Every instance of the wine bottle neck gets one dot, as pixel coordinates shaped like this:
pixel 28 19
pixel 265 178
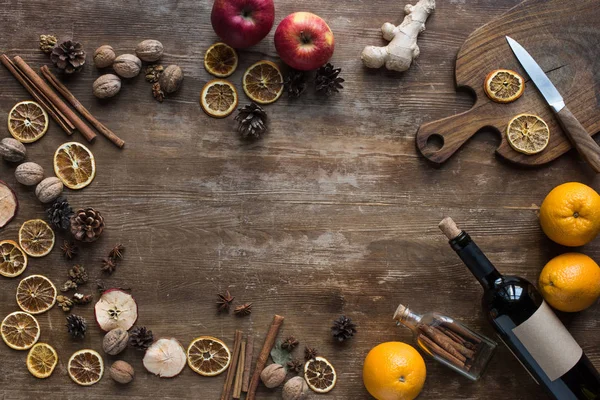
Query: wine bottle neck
pixel 475 260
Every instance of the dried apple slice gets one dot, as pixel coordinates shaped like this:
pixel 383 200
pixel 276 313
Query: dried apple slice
pixel 116 309
pixel 165 358
pixel 8 204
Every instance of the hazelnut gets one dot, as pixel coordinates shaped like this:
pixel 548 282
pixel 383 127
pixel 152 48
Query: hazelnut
pixel 104 56
pixel 171 78
pixel 127 65
pixel 12 150
pixel 106 86
pixel 49 189
pixel 149 50
pixel 121 372
pixel 115 341
pixel 273 375
pixel 295 389
pixel 29 174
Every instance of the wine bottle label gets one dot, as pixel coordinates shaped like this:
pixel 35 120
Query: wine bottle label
pixel 549 342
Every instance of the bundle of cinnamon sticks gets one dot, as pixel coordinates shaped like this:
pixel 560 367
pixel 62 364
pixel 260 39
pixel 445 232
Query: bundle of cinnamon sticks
pixel 450 342
pixel 47 98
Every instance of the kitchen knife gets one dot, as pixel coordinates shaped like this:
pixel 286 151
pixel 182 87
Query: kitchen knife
pixel 583 142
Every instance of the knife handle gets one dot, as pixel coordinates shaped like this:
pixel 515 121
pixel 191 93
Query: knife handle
pixel 581 139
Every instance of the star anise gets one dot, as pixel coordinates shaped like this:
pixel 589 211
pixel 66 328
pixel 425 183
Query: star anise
pixel 295 365
pixel 225 300
pixel 243 310
pixel 108 265
pixel 289 343
pixel 69 249
pixel 117 252
pixel 310 353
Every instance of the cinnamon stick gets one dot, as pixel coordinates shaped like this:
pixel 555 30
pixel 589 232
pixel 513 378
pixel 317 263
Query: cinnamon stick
pixel 462 332
pixel 66 93
pixel 458 346
pixel 441 352
pixel 228 387
pixel 264 355
pixel 237 386
pixel 85 130
pixel 39 97
pixel 443 341
pixel 248 363
pixel 457 338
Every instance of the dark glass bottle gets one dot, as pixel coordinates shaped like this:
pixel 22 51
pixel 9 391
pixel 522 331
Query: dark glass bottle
pixel 528 326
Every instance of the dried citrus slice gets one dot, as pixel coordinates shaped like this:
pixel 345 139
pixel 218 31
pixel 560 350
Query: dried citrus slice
pixel 218 98
pixel 20 331
pixel 208 356
pixel 85 367
pixel 74 164
pixel 13 260
pixel 27 121
pixel 320 375
pixel 36 238
pixel 263 82
pixel 42 360
pixel 220 60
pixel 504 85
pixel 36 294
pixel 528 133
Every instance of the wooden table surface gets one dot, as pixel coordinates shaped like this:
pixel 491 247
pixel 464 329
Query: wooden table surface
pixel 332 213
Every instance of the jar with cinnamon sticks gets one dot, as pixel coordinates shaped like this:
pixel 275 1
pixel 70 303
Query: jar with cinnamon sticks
pixel 448 341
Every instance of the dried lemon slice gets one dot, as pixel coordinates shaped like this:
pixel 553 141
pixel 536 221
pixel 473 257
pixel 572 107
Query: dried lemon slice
pixel 85 367
pixel 36 238
pixel 27 121
pixel 504 85
pixel 208 356
pixel 320 375
pixel 20 331
pixel 528 134
pixel 218 98
pixel 263 82
pixel 36 294
pixel 42 360
pixel 220 60
pixel 74 165
pixel 13 260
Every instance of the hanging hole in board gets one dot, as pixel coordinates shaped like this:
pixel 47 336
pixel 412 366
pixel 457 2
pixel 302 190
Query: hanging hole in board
pixel 434 143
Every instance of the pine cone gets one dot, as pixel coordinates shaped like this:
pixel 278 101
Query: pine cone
pixel 252 120
pixel 327 79
pixel 59 214
pixel 47 43
pixel 78 274
pixel 87 225
pixel 76 326
pixel 295 83
pixel 68 56
pixel 140 338
pixel 343 328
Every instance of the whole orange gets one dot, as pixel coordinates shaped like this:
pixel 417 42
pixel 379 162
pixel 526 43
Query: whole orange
pixel 394 371
pixel 570 282
pixel 570 214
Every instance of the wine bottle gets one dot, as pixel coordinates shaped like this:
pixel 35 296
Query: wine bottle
pixel 528 326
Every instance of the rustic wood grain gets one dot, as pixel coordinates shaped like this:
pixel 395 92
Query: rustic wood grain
pixel 333 212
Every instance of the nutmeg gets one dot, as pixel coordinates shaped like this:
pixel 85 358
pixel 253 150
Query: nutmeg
pixel 29 174
pixel 121 372
pixel 127 65
pixel 104 56
pixel 171 78
pixel 49 189
pixel 115 341
pixel 295 389
pixel 273 375
pixel 149 50
pixel 106 86
pixel 12 150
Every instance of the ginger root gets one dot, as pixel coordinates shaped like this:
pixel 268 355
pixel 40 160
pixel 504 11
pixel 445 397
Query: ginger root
pixel 402 49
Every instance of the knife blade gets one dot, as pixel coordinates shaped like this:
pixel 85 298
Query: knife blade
pixel 582 141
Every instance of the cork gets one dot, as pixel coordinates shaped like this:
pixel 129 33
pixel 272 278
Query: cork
pixel 448 226
pixel 401 312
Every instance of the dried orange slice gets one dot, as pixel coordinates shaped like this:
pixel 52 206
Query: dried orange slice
pixel 208 356
pixel 74 164
pixel 27 121
pixel 42 360
pixel 36 238
pixel 13 260
pixel 20 331
pixel 528 134
pixel 220 60
pixel 218 98
pixel 36 294
pixel 504 85
pixel 320 375
pixel 85 367
pixel 263 82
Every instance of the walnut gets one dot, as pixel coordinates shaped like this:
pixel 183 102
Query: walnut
pixel 115 341
pixel 12 150
pixel 106 86
pixel 121 372
pixel 29 174
pixel 273 375
pixel 127 65
pixel 171 79
pixel 49 189
pixel 149 50
pixel 295 389
pixel 104 56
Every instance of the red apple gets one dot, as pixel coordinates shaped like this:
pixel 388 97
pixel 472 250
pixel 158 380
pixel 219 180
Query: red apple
pixel 242 23
pixel 304 41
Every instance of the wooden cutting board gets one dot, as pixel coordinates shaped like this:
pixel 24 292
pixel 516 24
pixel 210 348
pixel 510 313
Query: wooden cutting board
pixel 564 38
